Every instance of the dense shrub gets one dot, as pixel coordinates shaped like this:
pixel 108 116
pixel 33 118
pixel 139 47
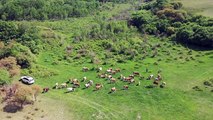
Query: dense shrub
pixel 167 18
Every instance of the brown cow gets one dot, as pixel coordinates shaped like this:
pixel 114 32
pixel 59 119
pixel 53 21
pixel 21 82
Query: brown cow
pixel 125 87
pixel 98 86
pixel 117 70
pixel 85 69
pixel 45 90
pixel 136 73
pixel 112 80
pixel 156 82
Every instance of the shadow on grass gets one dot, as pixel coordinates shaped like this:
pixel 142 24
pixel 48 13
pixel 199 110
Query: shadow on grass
pixel 12 108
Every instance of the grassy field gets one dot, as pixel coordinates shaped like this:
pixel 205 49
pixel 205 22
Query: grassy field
pixel 203 7
pixel 176 101
pixel 182 69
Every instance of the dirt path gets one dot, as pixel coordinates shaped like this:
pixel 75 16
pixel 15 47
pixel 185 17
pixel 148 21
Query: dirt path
pixel 103 110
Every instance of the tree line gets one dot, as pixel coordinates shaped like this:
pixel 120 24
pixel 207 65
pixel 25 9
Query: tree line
pixel 45 9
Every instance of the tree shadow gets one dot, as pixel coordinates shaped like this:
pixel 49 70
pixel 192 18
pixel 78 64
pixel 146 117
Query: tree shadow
pixel 12 108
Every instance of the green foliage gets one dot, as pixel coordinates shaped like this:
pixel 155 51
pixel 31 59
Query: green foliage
pixel 8 31
pixel 42 10
pixel 167 18
pixel 23 55
pixel 4 77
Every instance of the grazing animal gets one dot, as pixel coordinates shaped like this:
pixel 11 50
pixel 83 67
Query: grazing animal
pixel 159 77
pixel 109 77
pixel 84 78
pixel 128 79
pixel 87 85
pixel 76 85
pixel 150 77
pixel 102 75
pixel 109 70
pixel 113 72
pixel 125 87
pixel 132 76
pixel 113 89
pixel 85 69
pixel 56 86
pixel 45 90
pixel 63 85
pixel 118 70
pixel 74 81
pixel 98 86
pixel 136 73
pixel 132 81
pixel 156 82
pixel 90 82
pixel 70 89
pixel 112 80
pixel 99 69
pixel 163 84
pixel 139 83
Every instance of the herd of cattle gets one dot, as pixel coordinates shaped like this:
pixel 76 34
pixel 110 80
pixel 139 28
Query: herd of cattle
pixel 108 75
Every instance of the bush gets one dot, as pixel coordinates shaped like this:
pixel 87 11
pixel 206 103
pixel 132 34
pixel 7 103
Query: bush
pixel 4 77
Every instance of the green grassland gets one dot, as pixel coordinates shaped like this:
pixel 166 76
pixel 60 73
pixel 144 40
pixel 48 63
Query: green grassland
pixel 202 7
pixel 182 69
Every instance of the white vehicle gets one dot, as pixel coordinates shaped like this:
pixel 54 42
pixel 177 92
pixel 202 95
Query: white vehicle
pixel 27 79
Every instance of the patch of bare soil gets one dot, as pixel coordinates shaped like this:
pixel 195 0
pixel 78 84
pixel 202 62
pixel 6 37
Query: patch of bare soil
pixel 43 109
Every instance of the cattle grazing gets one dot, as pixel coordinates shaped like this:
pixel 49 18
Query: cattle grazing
pixel 132 81
pixel 73 81
pixel 99 69
pixel 150 77
pixel 139 83
pixel 159 77
pixel 84 79
pixel 70 89
pixel 45 90
pixel 63 85
pixel 132 76
pixel 125 87
pixel 85 69
pixel 90 82
pixel 113 89
pixel 109 77
pixel 113 72
pixel 112 80
pixel 136 73
pixel 117 70
pixel 98 86
pixel 76 85
pixel 156 82
pixel 102 75
pixel 109 70
pixel 163 84
pixel 87 85
pixel 56 86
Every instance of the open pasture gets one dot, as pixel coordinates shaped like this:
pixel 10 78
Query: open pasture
pixel 176 101
pixel 203 7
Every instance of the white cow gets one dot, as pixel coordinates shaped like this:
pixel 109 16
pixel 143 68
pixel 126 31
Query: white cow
pixel 70 89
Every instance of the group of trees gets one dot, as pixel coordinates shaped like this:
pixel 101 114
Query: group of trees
pixel 45 9
pixel 162 17
pixel 18 42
